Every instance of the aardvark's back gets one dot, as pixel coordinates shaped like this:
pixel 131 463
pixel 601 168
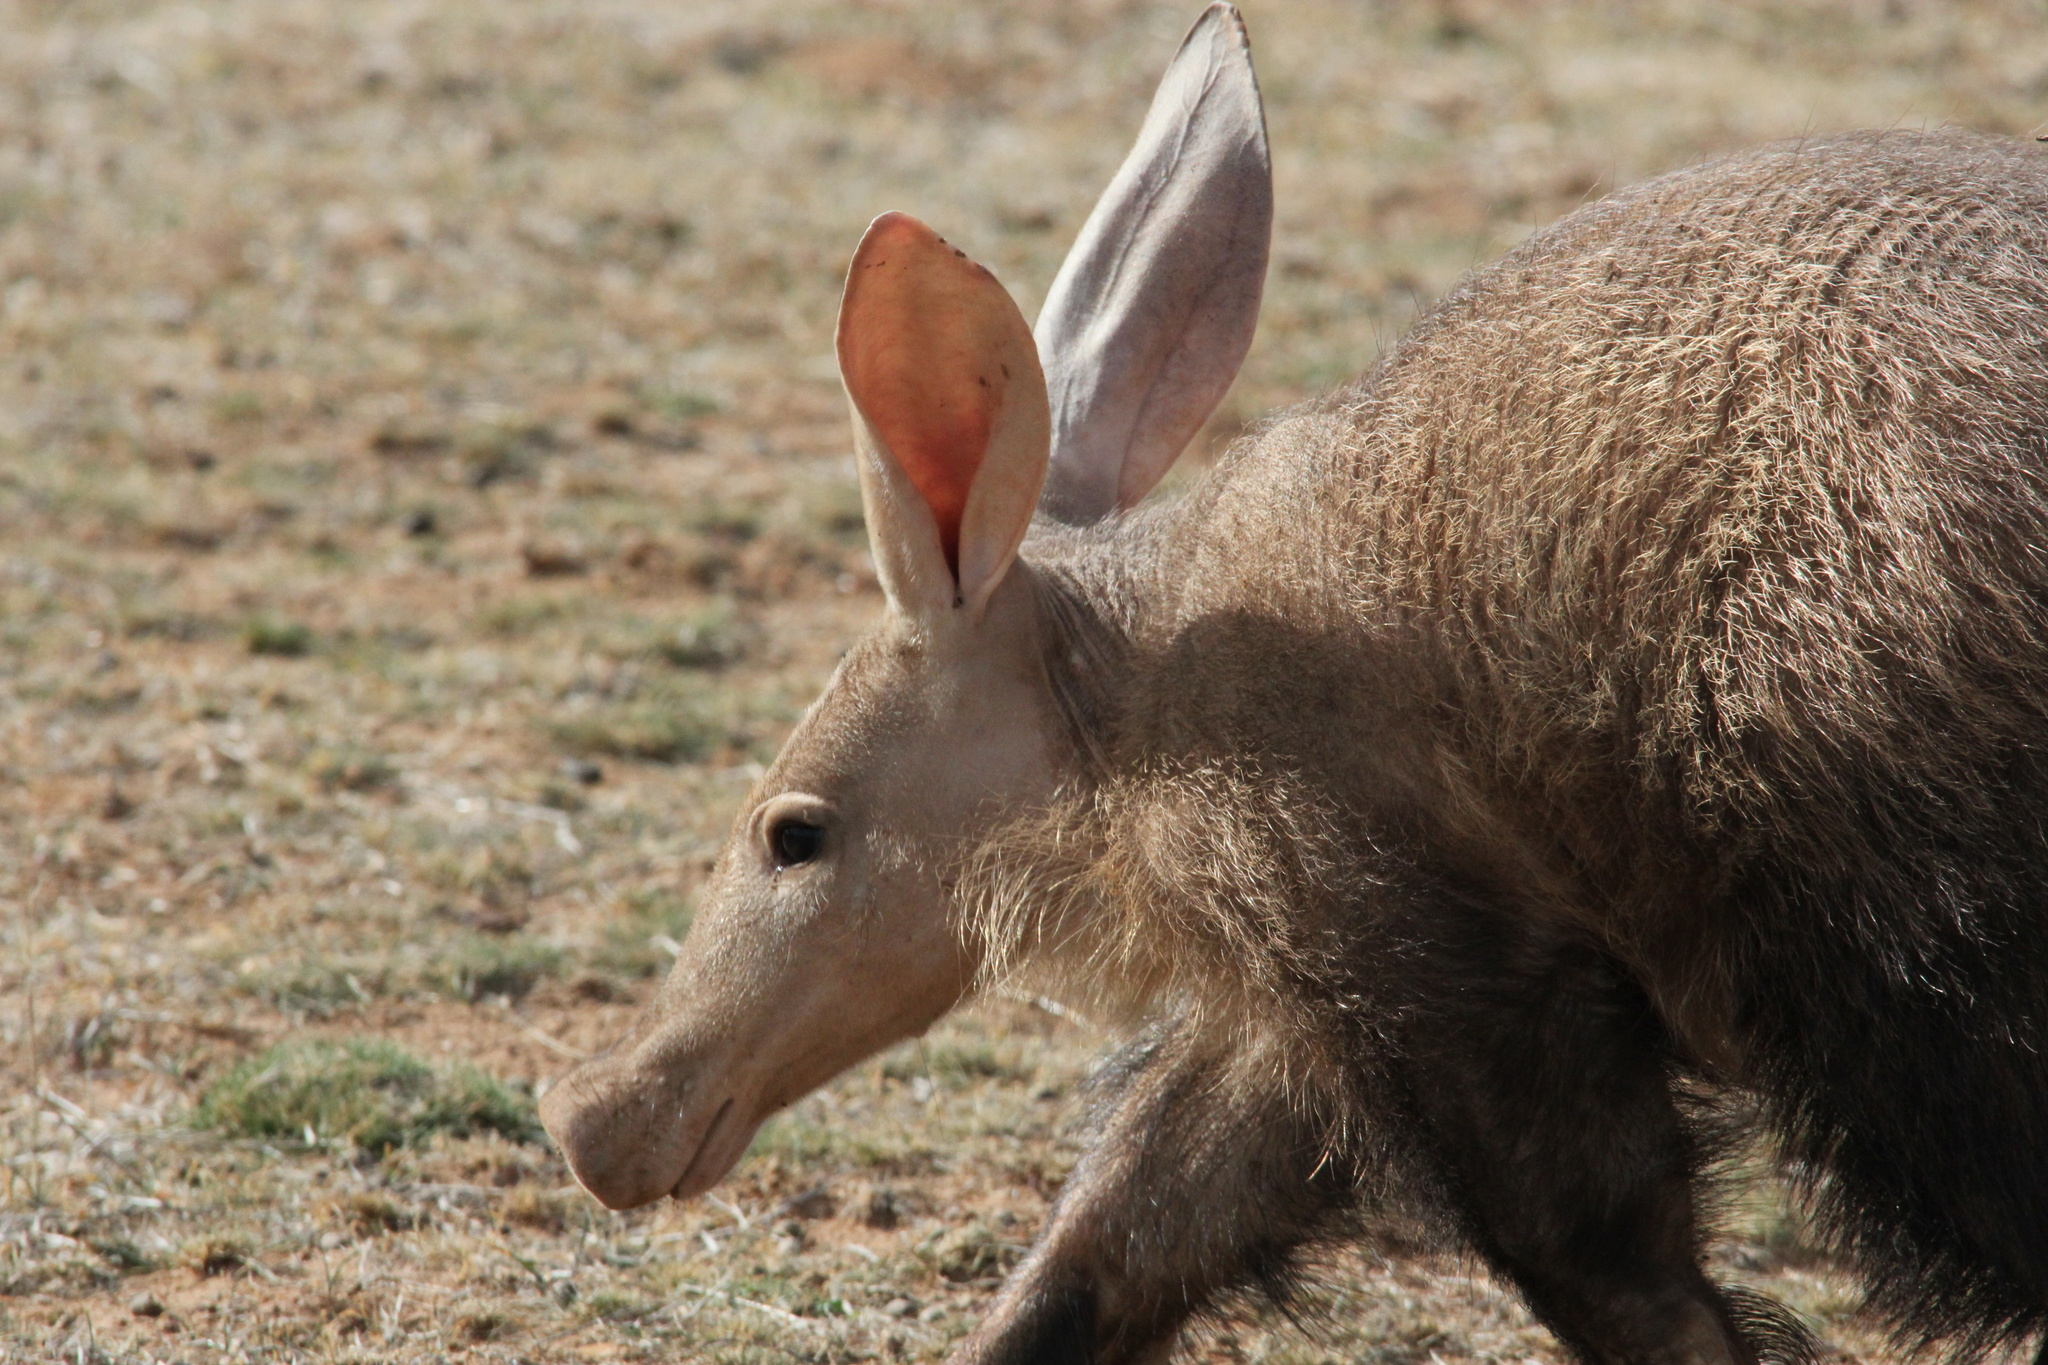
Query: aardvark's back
pixel 1714 525
pixel 1738 479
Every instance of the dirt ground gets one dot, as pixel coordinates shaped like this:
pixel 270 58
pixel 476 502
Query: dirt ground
pixel 424 504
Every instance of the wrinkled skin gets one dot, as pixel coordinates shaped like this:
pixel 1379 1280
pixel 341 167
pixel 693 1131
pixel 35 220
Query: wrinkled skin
pixel 791 974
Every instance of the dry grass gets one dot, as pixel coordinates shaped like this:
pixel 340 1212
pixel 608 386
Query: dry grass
pixel 424 501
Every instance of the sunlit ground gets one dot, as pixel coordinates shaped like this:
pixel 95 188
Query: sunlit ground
pixel 423 502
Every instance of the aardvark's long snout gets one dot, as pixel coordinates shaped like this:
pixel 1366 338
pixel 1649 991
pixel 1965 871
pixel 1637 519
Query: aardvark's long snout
pixel 640 1122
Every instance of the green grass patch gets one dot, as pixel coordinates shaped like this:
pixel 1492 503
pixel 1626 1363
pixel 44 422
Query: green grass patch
pixel 181 627
pixel 635 936
pixel 682 405
pixel 476 967
pixel 317 990
pixel 733 522
pixel 278 638
pixel 238 405
pixel 512 617
pixel 353 769
pixel 667 725
pixel 121 1254
pixel 500 452
pixel 710 639
pixel 801 1142
pixel 371 1093
pixel 614 1306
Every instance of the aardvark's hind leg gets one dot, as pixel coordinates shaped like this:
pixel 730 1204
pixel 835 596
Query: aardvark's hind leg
pixel 1540 1080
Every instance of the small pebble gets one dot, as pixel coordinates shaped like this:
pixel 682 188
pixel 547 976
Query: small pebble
pixel 935 1313
pixel 146 1306
pixel 900 1308
pixel 330 1240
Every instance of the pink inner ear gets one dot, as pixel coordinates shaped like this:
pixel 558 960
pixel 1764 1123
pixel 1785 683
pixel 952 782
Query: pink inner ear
pixel 922 332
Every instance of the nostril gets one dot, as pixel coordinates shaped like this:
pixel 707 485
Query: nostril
pixel 568 1112
pixel 629 1135
pixel 598 1135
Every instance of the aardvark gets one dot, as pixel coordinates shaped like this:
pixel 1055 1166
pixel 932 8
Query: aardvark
pixel 1624 708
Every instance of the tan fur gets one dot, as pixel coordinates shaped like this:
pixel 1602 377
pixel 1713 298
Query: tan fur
pixel 1665 619
pixel 1682 510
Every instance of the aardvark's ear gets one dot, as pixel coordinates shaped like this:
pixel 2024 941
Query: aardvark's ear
pixel 1153 310
pixel 948 412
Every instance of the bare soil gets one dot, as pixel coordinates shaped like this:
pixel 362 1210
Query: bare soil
pixel 424 504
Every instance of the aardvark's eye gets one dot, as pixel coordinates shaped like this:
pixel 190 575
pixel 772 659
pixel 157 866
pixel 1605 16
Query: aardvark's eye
pixel 793 842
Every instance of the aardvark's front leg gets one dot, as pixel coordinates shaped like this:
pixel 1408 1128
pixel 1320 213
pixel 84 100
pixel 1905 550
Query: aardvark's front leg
pixel 1205 1174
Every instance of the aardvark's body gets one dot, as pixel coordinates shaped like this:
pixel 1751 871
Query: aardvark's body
pixel 1635 690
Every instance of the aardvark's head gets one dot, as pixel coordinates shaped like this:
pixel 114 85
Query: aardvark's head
pixel 827 930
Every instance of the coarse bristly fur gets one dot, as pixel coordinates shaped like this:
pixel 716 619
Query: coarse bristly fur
pixel 1662 626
